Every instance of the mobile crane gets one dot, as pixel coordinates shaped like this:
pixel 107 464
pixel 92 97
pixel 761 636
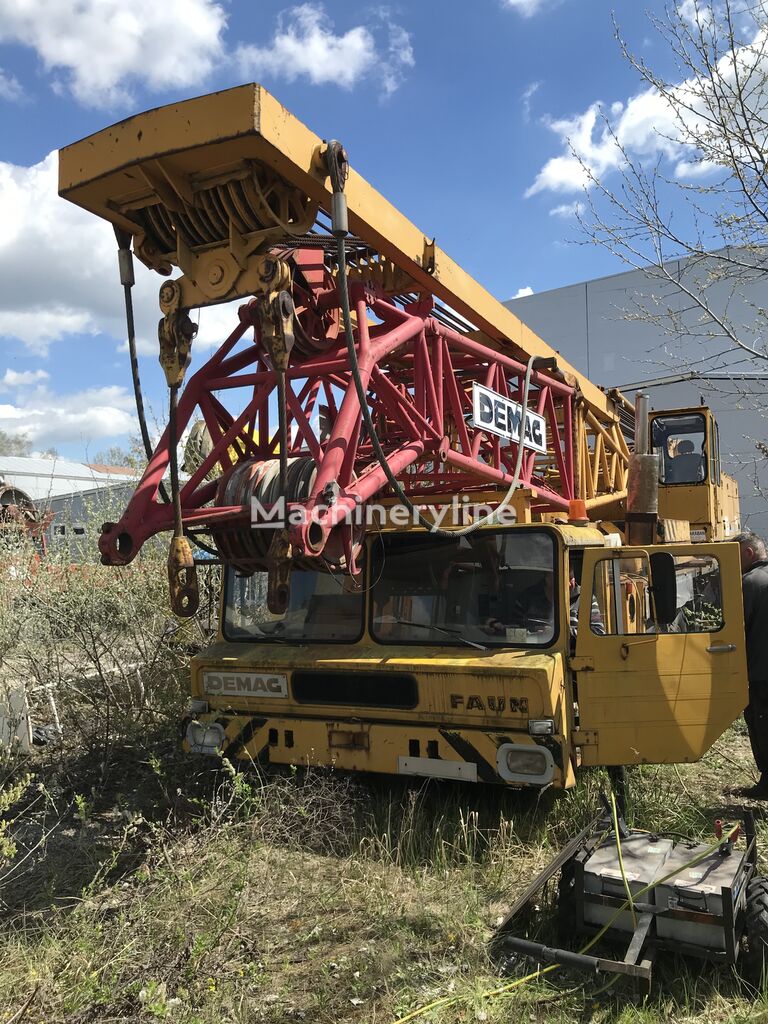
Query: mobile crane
pixel 415 498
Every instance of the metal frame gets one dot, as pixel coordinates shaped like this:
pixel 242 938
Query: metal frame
pixel 418 373
pixel 167 158
pixel 644 939
pixel 226 185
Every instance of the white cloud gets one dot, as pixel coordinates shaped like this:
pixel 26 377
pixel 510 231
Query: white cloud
pixel 215 324
pixel 567 210
pixel 648 126
pixel 645 127
pixel 39 328
pixel 640 127
pixel 522 292
pixel 21 378
pixel 527 96
pixel 57 262
pixel 399 56
pixel 10 88
pixel 696 13
pixel 44 417
pixel 101 47
pixel 699 169
pixel 525 7
pixel 305 44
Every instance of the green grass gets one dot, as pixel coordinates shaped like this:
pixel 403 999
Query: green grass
pixel 196 895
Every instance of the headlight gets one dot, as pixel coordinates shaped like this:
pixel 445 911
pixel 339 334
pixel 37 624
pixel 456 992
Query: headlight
pixel 526 762
pixel 205 737
pixel 541 727
pixel 196 707
pixel 518 762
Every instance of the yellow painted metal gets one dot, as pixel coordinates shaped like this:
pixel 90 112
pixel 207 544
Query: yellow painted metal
pixel 661 697
pixel 486 697
pixel 642 698
pixel 225 176
pixel 483 696
pixel 367 747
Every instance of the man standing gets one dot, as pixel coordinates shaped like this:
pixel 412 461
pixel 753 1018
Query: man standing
pixel 754 582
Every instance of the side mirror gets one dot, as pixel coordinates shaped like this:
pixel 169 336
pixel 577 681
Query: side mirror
pixel 664 587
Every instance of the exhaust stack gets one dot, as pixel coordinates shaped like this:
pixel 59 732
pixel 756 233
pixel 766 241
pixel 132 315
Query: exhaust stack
pixel 642 481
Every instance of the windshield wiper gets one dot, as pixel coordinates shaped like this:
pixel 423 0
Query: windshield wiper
pixel 440 629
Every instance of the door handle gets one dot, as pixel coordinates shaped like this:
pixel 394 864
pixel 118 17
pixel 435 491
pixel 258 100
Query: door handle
pixel 721 648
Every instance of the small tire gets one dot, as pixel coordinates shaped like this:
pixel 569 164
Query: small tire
pixel 754 954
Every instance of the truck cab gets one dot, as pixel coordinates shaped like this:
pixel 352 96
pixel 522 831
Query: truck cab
pixel 511 655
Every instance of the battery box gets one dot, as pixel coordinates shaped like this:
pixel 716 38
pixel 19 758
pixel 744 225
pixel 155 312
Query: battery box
pixel 644 859
pixel 703 888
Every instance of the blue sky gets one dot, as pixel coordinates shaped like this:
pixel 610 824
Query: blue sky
pixel 460 114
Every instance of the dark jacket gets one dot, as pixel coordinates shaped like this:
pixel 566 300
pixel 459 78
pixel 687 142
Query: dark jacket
pixel 754 584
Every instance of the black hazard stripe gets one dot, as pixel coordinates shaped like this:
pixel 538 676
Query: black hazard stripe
pixel 243 738
pixel 467 752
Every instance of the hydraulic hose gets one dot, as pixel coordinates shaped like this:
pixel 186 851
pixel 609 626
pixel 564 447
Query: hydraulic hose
pixel 127 279
pixel 625 880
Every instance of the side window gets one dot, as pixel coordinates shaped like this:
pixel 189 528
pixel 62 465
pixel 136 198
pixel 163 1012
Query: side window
pixel 623 595
pixel 680 443
pixel 622 592
pixel 699 595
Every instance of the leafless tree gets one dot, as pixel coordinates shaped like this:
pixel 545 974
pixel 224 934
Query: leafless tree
pixel 700 230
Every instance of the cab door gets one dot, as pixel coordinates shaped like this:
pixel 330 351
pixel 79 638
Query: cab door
pixel 649 692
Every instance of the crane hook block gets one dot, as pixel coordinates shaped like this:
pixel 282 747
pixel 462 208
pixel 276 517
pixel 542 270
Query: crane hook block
pixel 182 578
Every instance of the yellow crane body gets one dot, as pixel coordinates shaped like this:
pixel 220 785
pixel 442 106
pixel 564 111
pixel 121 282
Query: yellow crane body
pixel 591 615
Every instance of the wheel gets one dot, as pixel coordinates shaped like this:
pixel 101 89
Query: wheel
pixel 566 901
pixel 754 955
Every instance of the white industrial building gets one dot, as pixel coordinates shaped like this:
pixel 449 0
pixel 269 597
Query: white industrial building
pixel 80 497
pixel 598 327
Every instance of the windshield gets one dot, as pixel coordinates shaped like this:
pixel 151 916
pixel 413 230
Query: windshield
pixel 322 607
pixel 491 588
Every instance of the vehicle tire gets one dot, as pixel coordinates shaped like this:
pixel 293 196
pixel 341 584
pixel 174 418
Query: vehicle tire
pixel 566 901
pixel 754 953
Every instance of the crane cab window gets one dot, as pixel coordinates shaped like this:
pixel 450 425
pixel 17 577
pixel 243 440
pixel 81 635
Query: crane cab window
pixel 699 595
pixel 492 588
pixel 680 443
pixel 322 608
pixel 623 589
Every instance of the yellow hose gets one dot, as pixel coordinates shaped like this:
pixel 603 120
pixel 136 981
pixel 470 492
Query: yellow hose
pixel 624 879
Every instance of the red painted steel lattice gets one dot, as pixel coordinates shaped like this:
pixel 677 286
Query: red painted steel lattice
pixel 418 375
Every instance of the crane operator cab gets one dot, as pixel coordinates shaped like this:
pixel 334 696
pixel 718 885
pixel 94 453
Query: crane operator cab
pixel 692 485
